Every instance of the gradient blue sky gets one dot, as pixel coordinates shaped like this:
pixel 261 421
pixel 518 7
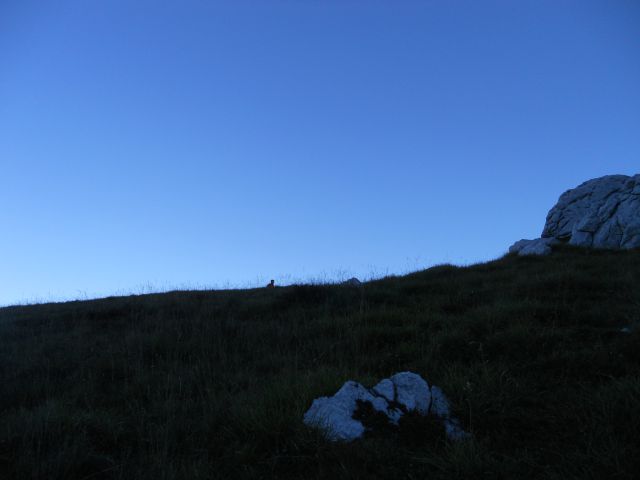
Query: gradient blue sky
pixel 224 143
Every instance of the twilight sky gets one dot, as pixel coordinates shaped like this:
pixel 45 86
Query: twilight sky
pixel 158 144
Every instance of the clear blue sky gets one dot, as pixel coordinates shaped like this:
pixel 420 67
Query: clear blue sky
pixel 191 143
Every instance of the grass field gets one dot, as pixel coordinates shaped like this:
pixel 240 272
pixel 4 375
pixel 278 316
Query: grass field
pixel 213 384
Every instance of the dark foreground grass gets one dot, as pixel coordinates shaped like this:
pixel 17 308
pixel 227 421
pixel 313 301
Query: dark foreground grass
pixel 197 385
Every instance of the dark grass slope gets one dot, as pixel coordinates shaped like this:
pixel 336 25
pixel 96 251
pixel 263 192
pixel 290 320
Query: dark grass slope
pixel 195 385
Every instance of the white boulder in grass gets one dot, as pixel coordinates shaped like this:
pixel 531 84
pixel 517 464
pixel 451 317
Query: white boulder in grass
pixel 403 392
pixel 600 213
pixel 334 415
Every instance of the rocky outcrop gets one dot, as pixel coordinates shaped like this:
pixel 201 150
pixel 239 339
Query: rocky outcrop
pixel 601 213
pixel 403 392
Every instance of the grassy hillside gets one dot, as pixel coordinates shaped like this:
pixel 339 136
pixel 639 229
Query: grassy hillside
pixel 195 385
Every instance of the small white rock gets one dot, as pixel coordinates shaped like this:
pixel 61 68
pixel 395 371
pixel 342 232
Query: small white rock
pixel 335 414
pixel 538 246
pixel 454 431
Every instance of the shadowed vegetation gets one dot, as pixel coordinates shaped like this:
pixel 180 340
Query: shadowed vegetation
pixel 197 385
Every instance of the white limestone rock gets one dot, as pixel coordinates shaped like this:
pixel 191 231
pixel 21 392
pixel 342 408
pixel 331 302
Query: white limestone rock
pixel 412 392
pixel 387 389
pixel 335 414
pixel 439 403
pixel 538 246
pixel 454 431
pixel 440 408
pixel 403 392
pixel 600 213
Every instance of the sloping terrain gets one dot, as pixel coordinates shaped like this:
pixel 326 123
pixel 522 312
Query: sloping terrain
pixel 195 385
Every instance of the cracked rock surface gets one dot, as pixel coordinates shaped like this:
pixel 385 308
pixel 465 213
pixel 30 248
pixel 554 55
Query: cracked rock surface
pixel 600 213
pixel 403 392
